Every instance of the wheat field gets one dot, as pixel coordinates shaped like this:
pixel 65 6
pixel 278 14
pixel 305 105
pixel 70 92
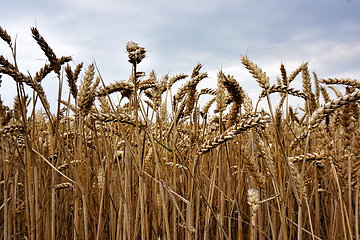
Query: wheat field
pixel 157 165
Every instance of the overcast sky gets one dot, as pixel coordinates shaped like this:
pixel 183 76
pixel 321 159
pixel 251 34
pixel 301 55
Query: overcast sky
pixel 179 34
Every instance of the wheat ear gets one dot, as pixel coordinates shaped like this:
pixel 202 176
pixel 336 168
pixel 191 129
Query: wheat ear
pixel 331 106
pixel 86 92
pixel 72 78
pixel 41 74
pixel 174 79
pixel 257 73
pixel 283 89
pixel 317 90
pixel 208 104
pixel 315 156
pixel 5 36
pixel 284 75
pixel 135 53
pixel 187 86
pixel 253 199
pixel 117 86
pixel 295 73
pixel 209 91
pixel 111 117
pixel 342 81
pixel 49 53
pixel 231 132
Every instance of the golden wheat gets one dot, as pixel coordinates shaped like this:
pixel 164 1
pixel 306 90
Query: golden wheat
pixel 137 169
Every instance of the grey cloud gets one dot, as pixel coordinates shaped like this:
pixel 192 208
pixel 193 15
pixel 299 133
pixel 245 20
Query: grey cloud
pixel 180 34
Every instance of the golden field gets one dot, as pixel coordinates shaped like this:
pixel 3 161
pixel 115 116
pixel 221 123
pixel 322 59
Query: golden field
pixel 158 165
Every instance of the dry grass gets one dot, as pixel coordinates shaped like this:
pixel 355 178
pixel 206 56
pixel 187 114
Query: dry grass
pixel 138 169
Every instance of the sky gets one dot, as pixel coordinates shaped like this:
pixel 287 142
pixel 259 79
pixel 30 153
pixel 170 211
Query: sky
pixel 179 34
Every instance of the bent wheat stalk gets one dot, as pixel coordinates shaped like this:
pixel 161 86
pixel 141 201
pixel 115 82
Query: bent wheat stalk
pixel 52 166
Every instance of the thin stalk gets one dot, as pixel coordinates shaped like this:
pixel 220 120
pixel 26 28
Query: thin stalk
pixel 221 181
pixel 16 181
pixel 5 197
pixel 53 205
pixel 341 201
pixel 100 222
pixel 36 200
pixel 357 212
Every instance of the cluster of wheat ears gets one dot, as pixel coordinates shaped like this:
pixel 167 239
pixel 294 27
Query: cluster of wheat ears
pixel 156 165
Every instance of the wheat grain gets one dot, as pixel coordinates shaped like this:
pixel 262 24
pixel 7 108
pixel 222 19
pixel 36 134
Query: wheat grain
pixel 85 87
pixel 253 199
pixel 19 106
pixel 6 64
pixel 254 170
pixel 292 115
